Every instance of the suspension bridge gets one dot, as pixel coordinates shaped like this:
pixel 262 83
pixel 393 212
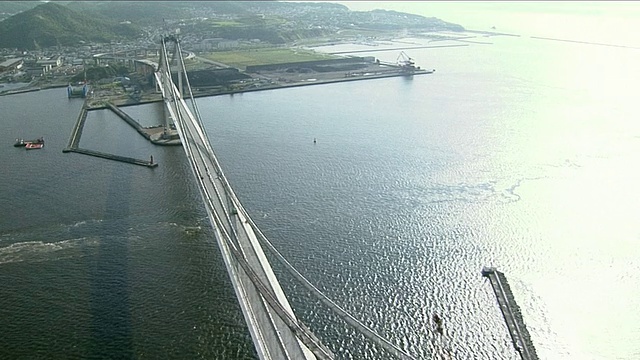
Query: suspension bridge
pixel 275 330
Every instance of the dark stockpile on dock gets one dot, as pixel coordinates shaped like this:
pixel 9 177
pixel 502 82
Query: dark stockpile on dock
pixel 213 77
pixel 343 64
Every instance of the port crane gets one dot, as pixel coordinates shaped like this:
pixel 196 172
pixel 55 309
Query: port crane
pixel 405 62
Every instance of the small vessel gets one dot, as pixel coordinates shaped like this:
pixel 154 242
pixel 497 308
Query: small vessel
pixel 31 146
pixel 23 142
pixel 79 90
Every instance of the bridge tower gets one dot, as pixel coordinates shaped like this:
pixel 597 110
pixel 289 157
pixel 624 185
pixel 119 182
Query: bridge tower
pixel 170 132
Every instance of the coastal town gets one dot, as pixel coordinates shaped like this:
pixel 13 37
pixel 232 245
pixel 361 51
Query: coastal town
pixel 218 62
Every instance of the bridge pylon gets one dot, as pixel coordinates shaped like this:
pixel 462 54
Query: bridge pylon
pixel 169 132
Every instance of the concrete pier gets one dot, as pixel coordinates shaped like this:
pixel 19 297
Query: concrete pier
pixel 74 140
pixel 128 119
pixel 157 134
pixel 113 157
pixel 511 313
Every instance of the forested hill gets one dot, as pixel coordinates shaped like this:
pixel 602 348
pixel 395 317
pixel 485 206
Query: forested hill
pixel 299 15
pixel 52 24
pixel 68 23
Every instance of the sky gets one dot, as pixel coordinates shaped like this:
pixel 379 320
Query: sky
pixel 615 22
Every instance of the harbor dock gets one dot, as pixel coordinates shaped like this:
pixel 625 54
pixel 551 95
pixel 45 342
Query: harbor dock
pixel 511 313
pixel 273 78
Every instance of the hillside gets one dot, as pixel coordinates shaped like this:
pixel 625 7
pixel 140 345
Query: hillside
pixel 71 22
pixel 51 24
pixel 270 21
pixel 154 13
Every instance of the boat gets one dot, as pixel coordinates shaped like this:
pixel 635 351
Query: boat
pixel 31 146
pixel 79 90
pixel 23 142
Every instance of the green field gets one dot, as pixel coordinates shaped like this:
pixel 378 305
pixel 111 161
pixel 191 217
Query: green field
pixel 242 58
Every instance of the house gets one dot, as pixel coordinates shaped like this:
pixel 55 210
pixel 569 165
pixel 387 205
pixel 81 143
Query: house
pixel 50 63
pixel 11 64
pixel 228 44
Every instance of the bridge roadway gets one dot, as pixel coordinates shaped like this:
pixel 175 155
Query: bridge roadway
pixel 276 332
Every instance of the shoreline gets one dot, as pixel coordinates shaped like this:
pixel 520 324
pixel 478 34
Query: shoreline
pixel 337 77
pixel 34 86
pixel 295 83
pixel 28 88
pixel 102 104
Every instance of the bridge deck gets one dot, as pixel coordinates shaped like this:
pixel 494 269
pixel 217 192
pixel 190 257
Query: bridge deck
pixel 276 332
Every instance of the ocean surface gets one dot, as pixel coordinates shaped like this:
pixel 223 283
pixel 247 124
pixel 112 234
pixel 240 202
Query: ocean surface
pixel 518 152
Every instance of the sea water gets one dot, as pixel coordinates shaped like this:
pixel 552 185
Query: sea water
pixel 517 152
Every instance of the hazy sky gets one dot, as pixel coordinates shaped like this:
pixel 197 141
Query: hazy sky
pixel 610 21
pixel 468 9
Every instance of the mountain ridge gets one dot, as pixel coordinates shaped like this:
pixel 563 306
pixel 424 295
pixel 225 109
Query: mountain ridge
pixel 70 23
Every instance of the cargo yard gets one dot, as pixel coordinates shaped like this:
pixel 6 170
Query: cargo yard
pixel 220 79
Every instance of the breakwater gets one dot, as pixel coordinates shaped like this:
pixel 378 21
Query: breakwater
pixel 511 313
pixel 76 133
pixel 108 156
pixel 19 91
pixel 74 144
pixel 129 120
pixel 156 134
pixel 585 42
pixel 396 48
